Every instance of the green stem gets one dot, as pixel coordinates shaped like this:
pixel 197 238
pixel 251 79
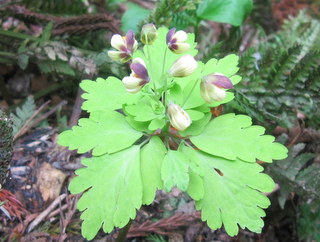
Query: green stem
pixel 17 35
pixel 165 78
pixel 166 142
pixel 8 54
pixel 164 61
pixel 194 85
pixel 145 141
pixel 50 89
pixel 196 30
pixel 123 232
pixel 7 61
pixel 149 59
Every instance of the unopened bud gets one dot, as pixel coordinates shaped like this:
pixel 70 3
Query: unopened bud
pixel 149 34
pixel 213 87
pixel 184 66
pixel 179 119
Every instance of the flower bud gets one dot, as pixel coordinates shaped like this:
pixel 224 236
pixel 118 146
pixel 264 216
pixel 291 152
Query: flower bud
pixel 148 34
pixel 175 41
pixel 184 66
pixel 213 87
pixel 124 45
pixel 138 77
pixel 179 119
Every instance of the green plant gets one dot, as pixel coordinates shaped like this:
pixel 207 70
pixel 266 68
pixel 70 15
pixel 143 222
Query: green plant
pixel 6 138
pixel 281 75
pixel 51 57
pixel 155 131
pixel 309 223
pixel 295 175
pixel 185 13
pixel 22 114
pixel 299 194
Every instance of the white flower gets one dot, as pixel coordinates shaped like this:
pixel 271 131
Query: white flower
pixel 179 119
pixel 213 87
pixel 175 41
pixel 138 77
pixel 124 45
pixel 184 66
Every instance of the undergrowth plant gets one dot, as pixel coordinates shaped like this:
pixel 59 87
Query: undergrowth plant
pixel 5 146
pixel 281 75
pixel 155 130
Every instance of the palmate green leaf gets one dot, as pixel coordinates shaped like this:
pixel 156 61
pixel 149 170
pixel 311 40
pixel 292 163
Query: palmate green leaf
pixel 105 94
pixel 157 123
pixel 104 132
pixel 229 192
pixel 152 155
pixel 227 66
pixel 231 136
pixel 190 91
pixel 196 127
pixel 140 126
pixel 157 51
pixel 229 97
pixel 115 190
pixel 225 11
pixel 195 115
pixel 145 109
pixel 174 171
pixel 188 94
pixel 146 114
pixel 133 16
pixel 195 187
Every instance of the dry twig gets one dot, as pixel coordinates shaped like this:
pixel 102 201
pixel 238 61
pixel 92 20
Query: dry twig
pixel 47 114
pixel 70 25
pixel 76 112
pixel 163 226
pixel 44 214
pixel 66 218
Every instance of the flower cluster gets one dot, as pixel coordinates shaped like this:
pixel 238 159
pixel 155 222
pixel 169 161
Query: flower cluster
pixel 157 129
pixel 212 87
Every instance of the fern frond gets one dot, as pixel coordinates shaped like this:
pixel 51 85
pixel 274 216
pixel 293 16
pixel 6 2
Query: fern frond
pixel 57 67
pixel 300 75
pixel 285 66
pixel 57 6
pixel 22 114
pixel 262 15
pixel 282 75
pixel 168 11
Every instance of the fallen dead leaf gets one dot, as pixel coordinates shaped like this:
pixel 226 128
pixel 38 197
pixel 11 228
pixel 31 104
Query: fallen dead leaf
pixel 50 181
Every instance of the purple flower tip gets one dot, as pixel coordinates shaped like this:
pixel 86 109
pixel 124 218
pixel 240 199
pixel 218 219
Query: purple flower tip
pixel 130 39
pixel 221 81
pixel 140 70
pixel 170 35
